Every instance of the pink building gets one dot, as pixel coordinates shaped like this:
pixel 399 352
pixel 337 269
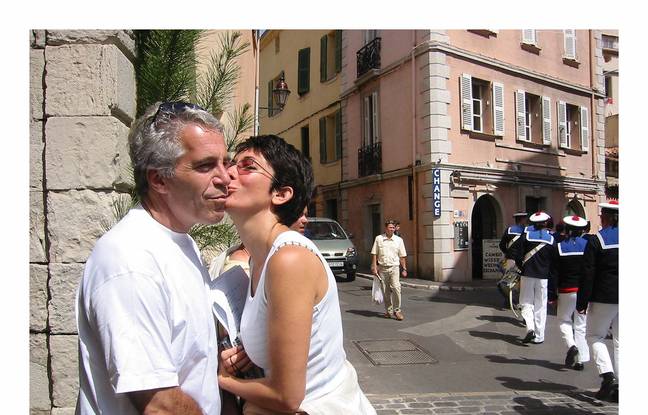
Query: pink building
pixel 484 124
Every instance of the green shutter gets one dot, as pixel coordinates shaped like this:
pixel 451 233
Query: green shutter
pixel 323 46
pixel 338 51
pixel 270 86
pixel 303 71
pixel 322 135
pixel 338 135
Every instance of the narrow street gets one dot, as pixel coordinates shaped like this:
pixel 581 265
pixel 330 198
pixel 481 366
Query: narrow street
pixel 459 351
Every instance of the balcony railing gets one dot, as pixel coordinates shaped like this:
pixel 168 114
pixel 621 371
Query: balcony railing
pixel 369 56
pixel 370 159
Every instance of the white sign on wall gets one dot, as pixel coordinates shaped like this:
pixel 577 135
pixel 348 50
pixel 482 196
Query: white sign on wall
pixel 491 256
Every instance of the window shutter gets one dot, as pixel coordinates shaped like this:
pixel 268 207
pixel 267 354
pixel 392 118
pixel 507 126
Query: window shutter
pixel 303 71
pixel 375 108
pixel 367 128
pixel 338 135
pixel 498 109
pixel 323 47
pixel 562 124
pixel 546 121
pixel 322 134
pixel 584 122
pixel 338 51
pixel 520 115
pixel 570 43
pixel 529 36
pixel 270 102
pixel 466 102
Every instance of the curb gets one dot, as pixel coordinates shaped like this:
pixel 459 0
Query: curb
pixel 434 285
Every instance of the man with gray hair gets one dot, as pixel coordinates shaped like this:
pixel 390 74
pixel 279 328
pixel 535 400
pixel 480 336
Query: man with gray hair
pixel 147 340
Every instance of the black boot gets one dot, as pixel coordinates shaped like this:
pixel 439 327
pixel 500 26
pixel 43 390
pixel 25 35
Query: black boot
pixel 530 336
pixel 609 388
pixel 572 353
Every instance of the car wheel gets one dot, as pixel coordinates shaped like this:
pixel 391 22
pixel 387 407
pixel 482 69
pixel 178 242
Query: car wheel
pixel 351 276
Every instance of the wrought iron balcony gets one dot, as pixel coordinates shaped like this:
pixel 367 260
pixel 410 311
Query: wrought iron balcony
pixel 370 159
pixel 369 56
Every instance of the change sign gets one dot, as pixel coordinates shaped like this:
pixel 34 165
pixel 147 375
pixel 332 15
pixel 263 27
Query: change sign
pixel 436 192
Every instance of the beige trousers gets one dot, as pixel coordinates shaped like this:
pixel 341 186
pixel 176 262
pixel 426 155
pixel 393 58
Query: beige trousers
pixel 390 281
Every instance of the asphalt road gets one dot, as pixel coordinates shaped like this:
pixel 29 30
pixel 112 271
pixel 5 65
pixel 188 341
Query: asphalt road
pixel 472 345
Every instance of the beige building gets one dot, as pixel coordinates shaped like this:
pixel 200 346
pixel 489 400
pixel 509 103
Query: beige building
pixel 82 102
pixel 310 62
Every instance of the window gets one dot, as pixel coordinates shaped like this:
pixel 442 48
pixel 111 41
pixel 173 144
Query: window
pixel 330 128
pixel 305 141
pixel 370 114
pixel 573 126
pixel 277 45
pixel 610 42
pixel 482 105
pixel 272 109
pixel 534 204
pixel 608 87
pixel 303 71
pixel 529 37
pixel 570 44
pixel 330 55
pixel 533 118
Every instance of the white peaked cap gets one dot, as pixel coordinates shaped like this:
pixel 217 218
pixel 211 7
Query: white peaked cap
pixel 610 204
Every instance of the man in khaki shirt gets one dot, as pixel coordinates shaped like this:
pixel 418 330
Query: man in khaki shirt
pixel 387 254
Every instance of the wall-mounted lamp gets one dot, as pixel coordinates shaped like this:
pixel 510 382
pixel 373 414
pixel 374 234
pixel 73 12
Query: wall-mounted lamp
pixel 279 94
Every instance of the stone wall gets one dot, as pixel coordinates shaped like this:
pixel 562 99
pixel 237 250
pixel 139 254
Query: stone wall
pixel 82 99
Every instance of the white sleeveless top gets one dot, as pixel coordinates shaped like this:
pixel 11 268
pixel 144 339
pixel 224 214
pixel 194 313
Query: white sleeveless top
pixel 326 357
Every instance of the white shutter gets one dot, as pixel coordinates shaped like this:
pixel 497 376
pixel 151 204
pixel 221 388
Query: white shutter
pixel 520 115
pixel 367 126
pixel 466 102
pixel 498 109
pixel 584 122
pixel 570 43
pixel 546 121
pixel 529 36
pixel 374 116
pixel 562 123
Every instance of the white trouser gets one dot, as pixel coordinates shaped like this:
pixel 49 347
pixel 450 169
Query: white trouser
pixel 599 318
pixel 533 300
pixel 573 333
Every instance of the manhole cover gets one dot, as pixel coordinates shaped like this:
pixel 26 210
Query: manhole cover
pixel 394 352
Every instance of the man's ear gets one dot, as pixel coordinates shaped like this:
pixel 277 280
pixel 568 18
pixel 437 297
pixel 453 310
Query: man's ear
pixel 156 181
pixel 282 195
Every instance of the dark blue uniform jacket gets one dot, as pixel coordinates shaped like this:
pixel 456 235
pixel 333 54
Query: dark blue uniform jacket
pixel 534 265
pixel 600 281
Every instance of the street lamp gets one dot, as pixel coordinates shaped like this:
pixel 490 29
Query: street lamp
pixel 279 94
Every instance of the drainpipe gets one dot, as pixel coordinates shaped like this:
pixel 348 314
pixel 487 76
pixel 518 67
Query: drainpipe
pixel 593 84
pixel 414 179
pixel 256 81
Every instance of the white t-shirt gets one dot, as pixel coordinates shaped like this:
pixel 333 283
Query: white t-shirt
pixel 325 369
pixel 144 319
pixel 388 250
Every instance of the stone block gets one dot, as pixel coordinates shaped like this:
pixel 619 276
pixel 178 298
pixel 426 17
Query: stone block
pixel 76 219
pixel 86 152
pixel 36 78
pixel 36 148
pixel 39 397
pixel 435 121
pixel 63 285
pixel 89 80
pixel 435 108
pixel 63 411
pixel 439 36
pixel 435 69
pixel 37 297
pixel 65 379
pixel 439 95
pixel 36 227
pixel 37 38
pixel 437 57
pixel 123 39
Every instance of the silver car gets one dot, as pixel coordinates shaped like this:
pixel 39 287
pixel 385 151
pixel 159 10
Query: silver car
pixel 334 244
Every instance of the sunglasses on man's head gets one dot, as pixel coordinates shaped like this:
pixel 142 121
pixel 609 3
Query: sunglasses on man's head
pixel 175 107
pixel 248 165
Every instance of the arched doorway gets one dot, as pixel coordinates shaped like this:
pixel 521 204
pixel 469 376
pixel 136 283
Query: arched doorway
pixel 574 207
pixel 484 226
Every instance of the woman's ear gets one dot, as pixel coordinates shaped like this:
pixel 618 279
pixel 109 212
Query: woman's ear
pixel 282 195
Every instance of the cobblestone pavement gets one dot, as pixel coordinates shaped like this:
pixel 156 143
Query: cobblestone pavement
pixel 496 403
